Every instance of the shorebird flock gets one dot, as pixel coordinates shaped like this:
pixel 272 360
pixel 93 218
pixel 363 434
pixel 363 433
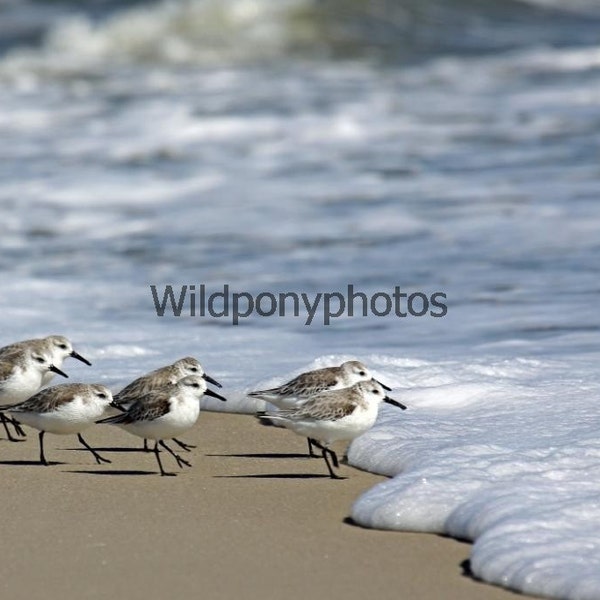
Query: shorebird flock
pixel 325 406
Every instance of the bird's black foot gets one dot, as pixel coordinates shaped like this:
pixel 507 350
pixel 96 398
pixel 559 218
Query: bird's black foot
pixel 184 446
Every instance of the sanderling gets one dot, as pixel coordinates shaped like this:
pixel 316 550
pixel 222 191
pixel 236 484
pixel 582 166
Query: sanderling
pixel 21 375
pixel 164 413
pixel 295 392
pixel 328 417
pixel 58 347
pixel 63 409
pixel 158 378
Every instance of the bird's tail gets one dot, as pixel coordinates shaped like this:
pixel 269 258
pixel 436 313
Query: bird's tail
pixel 122 417
pixel 264 394
pixel 269 416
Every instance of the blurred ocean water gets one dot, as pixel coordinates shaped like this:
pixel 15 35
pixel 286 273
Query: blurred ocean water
pixel 301 146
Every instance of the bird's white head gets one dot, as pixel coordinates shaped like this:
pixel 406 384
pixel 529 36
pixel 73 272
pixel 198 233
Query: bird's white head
pixel 100 394
pixel 60 348
pixel 373 391
pixel 191 366
pixel 355 371
pixel 195 385
pixel 41 361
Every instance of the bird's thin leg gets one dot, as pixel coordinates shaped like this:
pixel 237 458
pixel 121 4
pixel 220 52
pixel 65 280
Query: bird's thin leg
pixel 157 454
pixel 42 457
pixel 183 445
pixel 18 429
pixel 326 451
pixel 331 453
pixel 17 426
pixel 334 457
pixel 99 459
pixel 5 420
pixel 311 452
pixel 180 461
pixel 146 449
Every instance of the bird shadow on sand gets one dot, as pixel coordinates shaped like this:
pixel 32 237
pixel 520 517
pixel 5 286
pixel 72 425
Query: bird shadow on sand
pixel 108 449
pixel 115 472
pixel 30 463
pixel 276 476
pixel 261 455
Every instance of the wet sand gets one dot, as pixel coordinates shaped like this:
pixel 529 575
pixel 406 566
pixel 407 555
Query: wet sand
pixel 251 519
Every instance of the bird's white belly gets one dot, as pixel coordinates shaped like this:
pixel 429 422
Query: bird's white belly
pixel 346 428
pixel 168 426
pixel 20 388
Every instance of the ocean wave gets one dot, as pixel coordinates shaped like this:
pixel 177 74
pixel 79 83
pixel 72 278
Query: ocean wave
pixel 508 460
pixel 209 32
pixel 169 32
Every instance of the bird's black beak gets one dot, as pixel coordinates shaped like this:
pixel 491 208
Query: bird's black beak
pixel 385 387
pixel 58 371
pixel 214 395
pixel 211 380
pixel 395 402
pixel 79 357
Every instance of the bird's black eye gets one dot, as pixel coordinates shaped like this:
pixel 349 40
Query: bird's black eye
pixel 195 385
pixel 101 395
pixel 62 346
pixel 376 391
pixel 194 369
pixel 39 359
pixel 362 373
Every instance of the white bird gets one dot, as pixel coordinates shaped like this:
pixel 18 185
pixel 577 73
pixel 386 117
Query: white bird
pixel 63 409
pixel 58 347
pixel 170 374
pixel 295 392
pixel 164 413
pixel 21 375
pixel 335 415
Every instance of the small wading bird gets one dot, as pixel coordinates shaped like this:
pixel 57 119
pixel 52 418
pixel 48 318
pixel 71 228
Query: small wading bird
pixel 63 409
pixel 57 347
pixel 164 413
pixel 21 375
pixel 336 415
pixel 170 374
pixel 306 385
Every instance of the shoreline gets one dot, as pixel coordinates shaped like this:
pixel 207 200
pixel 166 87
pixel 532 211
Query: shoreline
pixel 252 518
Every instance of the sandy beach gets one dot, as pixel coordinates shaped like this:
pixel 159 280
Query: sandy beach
pixel 252 518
